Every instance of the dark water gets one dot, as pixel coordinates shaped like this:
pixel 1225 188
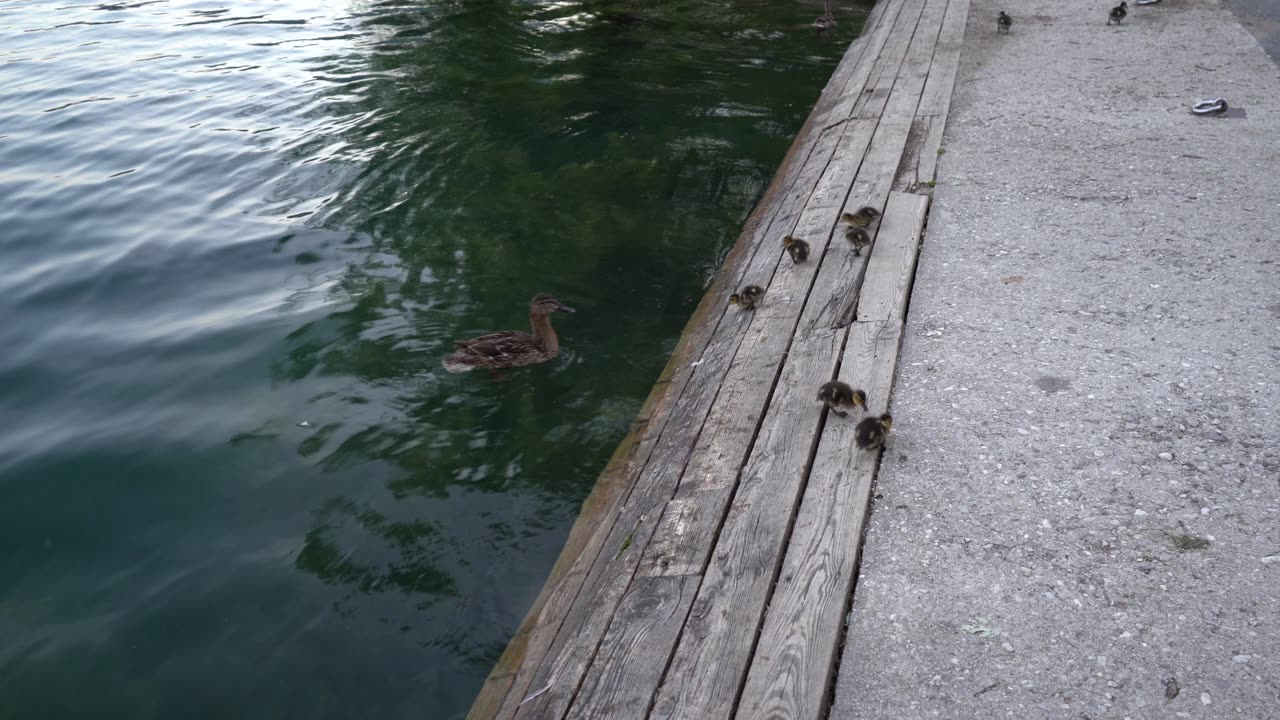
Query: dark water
pixel 220 219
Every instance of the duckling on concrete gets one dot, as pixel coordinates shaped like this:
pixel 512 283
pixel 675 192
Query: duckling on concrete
pixel 1004 23
pixel 1118 13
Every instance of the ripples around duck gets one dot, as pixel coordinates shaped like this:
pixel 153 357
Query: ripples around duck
pixel 238 236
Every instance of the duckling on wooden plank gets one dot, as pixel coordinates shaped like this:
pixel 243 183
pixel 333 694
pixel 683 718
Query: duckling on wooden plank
pixel 840 397
pixel 748 297
pixel 511 348
pixel 798 249
pixel 871 431
pixel 862 217
pixel 858 238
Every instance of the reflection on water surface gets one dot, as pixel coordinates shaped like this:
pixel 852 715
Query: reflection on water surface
pixel 239 236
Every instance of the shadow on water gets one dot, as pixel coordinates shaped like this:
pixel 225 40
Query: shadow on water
pixel 367 530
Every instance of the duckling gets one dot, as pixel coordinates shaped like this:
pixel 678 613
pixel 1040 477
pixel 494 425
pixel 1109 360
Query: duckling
pixel 858 238
pixel 1117 13
pixel 862 218
pixel 797 248
pixel 871 431
pixel 841 398
pixel 748 297
pixel 1003 23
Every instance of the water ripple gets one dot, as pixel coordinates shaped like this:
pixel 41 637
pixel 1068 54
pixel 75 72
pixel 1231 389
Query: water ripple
pixel 239 236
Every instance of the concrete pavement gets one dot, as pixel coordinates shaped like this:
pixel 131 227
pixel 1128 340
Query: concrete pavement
pixel 1078 514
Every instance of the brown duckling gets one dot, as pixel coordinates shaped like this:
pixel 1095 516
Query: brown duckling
pixel 748 297
pixel 871 431
pixel 840 397
pixel 862 218
pixel 798 249
pixel 858 238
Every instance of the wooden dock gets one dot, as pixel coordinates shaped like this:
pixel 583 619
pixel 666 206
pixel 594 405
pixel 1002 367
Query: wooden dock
pixel 711 570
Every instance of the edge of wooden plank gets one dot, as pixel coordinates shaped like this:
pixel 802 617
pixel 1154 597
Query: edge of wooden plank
pixel 790 673
pixel 893 259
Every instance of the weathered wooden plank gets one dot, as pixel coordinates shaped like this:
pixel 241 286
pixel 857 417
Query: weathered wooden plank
pixel 834 293
pixel 893 264
pixel 879 85
pixel 717 460
pixel 834 91
pixel 651 614
pixel 710 663
pixel 914 72
pixel 876 35
pixel 942 74
pixel 791 671
pixel 920 160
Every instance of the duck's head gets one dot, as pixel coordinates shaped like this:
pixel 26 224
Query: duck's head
pixel 859 399
pixel 886 420
pixel 544 304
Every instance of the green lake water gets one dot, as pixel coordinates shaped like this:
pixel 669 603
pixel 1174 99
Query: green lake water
pixel 221 219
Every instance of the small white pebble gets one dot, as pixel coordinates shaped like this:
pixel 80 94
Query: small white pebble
pixel 1205 699
pixel 1240 658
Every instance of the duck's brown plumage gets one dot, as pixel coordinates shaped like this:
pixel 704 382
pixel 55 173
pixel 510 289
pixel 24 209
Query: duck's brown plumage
pixel 510 348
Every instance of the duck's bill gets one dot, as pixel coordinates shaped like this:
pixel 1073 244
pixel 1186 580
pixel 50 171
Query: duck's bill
pixel 565 308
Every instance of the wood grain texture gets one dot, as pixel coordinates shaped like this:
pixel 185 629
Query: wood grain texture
pixel 936 97
pixel 710 662
pixel 650 616
pixel 879 85
pixel 893 262
pixel 876 33
pixel 791 670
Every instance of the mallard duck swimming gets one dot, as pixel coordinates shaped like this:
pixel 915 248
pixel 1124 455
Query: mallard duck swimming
pixel 1117 13
pixel 797 248
pixel 748 297
pixel 858 238
pixel 862 218
pixel 840 397
pixel 871 431
pixel 1003 23
pixel 509 348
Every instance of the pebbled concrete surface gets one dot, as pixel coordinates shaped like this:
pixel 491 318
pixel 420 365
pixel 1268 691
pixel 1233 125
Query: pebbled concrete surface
pixel 1081 497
